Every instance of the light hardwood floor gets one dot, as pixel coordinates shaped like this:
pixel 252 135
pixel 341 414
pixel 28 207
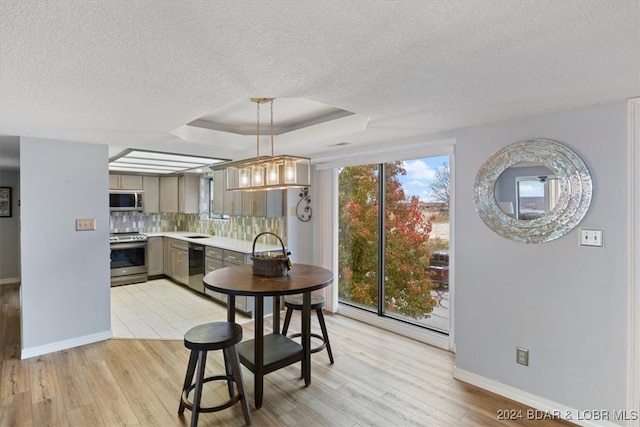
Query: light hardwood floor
pixel 378 379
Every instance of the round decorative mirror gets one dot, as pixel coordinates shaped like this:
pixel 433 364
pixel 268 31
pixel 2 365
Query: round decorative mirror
pixel 533 191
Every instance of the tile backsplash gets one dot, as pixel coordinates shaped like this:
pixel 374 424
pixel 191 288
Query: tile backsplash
pixel 241 227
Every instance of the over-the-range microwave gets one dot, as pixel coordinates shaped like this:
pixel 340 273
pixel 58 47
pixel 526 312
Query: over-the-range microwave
pixel 126 200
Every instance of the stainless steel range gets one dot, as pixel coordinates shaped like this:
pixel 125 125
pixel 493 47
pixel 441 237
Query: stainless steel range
pixel 128 258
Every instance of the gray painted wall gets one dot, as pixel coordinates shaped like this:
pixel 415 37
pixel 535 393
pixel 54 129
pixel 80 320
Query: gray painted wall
pixel 299 233
pixel 65 287
pixel 567 304
pixel 10 230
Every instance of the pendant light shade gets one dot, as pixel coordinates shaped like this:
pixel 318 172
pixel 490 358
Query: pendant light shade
pixel 266 172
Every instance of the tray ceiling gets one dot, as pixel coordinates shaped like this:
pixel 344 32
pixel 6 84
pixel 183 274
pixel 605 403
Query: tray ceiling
pixel 128 74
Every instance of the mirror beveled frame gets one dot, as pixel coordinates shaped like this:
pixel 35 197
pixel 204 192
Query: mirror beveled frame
pixel 570 209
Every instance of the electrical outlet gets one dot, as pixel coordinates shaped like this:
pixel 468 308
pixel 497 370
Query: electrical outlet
pixel 85 224
pixel 522 356
pixel 591 237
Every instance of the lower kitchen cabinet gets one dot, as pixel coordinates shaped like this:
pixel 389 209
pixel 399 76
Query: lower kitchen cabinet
pixel 155 256
pixel 171 257
pixel 166 243
pixel 217 258
pixel 213 261
pixel 180 261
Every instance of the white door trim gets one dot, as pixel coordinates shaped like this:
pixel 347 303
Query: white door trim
pixel 633 385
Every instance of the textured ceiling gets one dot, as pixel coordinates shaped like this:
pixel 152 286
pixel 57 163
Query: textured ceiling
pixel 128 73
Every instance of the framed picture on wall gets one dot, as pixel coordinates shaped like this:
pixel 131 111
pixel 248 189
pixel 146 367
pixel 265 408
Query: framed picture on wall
pixel 5 202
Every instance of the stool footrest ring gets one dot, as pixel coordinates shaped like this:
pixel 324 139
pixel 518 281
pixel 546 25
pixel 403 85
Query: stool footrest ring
pixel 314 349
pixel 232 400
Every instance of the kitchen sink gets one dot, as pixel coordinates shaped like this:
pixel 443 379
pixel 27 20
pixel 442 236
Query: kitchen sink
pixel 197 237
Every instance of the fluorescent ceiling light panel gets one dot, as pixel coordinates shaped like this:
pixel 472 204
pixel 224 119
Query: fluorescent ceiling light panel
pixel 149 166
pixel 157 162
pixel 171 164
pixel 154 171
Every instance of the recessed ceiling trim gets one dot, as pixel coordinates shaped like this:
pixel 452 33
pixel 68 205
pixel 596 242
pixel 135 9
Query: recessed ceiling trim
pixel 277 130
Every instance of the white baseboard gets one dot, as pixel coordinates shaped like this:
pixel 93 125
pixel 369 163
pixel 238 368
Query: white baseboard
pixel 9 281
pixel 544 406
pixel 63 345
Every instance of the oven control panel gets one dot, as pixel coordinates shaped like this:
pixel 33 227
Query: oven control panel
pixel 127 237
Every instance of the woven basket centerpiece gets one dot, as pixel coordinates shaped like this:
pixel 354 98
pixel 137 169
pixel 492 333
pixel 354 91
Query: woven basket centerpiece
pixel 270 265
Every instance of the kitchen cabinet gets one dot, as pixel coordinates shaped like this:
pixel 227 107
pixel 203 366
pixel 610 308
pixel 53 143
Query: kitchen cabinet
pixel 155 256
pixel 233 203
pixel 262 203
pixel 246 203
pixel 125 182
pixel 217 258
pixel 166 243
pixel 151 188
pixel 232 199
pixel 243 303
pixel 180 261
pixel 219 192
pixel 179 194
pixel 213 261
pixel 189 193
pixel 169 194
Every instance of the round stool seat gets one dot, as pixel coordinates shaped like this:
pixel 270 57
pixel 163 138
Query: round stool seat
pixel 213 336
pixel 295 301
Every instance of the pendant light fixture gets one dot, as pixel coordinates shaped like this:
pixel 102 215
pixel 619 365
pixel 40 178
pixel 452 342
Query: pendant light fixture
pixel 266 172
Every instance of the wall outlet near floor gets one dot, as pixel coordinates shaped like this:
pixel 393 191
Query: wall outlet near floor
pixel 522 356
pixel 591 237
pixel 85 224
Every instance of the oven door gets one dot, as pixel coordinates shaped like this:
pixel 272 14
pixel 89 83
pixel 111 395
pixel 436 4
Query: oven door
pixel 128 259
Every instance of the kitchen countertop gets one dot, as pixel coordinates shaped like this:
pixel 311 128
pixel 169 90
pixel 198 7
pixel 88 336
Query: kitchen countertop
pixel 237 245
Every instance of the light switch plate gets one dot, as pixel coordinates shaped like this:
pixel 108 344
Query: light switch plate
pixel 85 224
pixel 591 237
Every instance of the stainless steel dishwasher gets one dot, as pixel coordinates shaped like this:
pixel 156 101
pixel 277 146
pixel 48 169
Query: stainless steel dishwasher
pixel 196 267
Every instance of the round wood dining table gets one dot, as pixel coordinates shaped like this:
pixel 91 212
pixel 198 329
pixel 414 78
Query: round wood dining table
pixel 267 353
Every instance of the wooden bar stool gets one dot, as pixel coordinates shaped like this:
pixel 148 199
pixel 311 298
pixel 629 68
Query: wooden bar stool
pixel 201 339
pixel 294 302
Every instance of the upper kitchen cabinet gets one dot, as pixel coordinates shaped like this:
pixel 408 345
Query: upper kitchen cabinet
pixel 245 203
pixel 169 194
pixel 151 188
pixel 233 203
pixel 219 190
pixel 179 194
pixel 262 203
pixel 189 193
pixel 125 182
pixel 232 199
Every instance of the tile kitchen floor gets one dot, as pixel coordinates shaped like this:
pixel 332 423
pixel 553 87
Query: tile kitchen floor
pixel 161 309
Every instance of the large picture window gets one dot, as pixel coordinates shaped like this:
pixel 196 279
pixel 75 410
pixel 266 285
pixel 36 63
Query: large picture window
pixel 393 240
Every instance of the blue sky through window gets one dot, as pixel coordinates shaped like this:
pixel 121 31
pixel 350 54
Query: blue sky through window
pixel 420 174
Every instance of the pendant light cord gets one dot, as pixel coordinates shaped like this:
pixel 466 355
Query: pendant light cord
pixel 258 131
pixel 272 127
